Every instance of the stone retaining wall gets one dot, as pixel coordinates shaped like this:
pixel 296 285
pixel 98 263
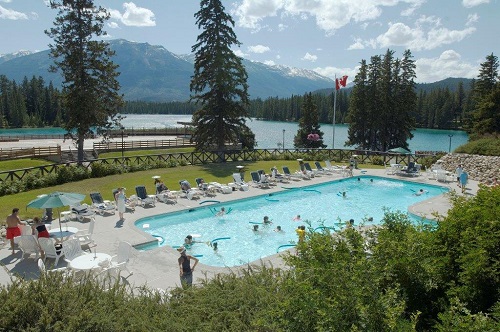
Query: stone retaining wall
pixel 479 168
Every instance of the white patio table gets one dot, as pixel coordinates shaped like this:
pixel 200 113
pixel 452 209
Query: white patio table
pixel 90 261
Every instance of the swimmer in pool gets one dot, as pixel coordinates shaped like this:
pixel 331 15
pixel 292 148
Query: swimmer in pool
pixel 296 218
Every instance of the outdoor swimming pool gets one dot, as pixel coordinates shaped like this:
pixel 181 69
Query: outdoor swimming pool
pixel 321 205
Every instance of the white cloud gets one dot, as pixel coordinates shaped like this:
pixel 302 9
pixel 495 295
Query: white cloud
pixel 258 49
pixel 9 14
pixel 6 1
pixel 251 12
pixel 239 53
pixel 427 34
pixel 134 16
pixel 269 62
pixel 282 27
pixel 471 19
pixel 278 56
pixel 473 3
pixel 330 72
pixel 448 64
pixel 329 15
pixel 357 45
pixel 310 57
pixel 113 25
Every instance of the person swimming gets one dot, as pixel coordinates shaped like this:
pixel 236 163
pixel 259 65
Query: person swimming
pixel 221 212
pixel 420 192
pixel 296 218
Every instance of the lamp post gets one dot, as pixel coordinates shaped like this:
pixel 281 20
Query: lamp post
pixel 122 129
pixel 283 140
pixel 449 147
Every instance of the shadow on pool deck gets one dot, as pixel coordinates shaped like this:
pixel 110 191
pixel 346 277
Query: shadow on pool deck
pixel 158 268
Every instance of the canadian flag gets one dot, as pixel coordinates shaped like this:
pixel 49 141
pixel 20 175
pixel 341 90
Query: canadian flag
pixel 340 82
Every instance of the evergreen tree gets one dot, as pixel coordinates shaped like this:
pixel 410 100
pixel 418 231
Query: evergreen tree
pixel 486 116
pixel 309 134
pixel 90 86
pixel 219 83
pixel 382 102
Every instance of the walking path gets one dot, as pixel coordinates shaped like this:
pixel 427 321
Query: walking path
pixel 158 268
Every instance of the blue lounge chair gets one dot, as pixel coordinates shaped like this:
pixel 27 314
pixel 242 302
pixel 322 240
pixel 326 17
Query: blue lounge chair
pixel 143 196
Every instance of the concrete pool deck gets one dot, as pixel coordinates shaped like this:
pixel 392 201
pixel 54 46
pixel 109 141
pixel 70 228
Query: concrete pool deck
pixel 158 268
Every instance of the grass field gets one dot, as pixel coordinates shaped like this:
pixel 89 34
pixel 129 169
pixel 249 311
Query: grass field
pixel 8 165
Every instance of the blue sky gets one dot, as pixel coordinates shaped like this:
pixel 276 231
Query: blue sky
pixel 448 38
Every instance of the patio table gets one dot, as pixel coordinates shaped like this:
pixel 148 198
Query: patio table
pixel 89 261
pixel 66 233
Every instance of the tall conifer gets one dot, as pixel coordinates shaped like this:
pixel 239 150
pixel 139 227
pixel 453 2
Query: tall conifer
pixel 90 88
pixel 219 83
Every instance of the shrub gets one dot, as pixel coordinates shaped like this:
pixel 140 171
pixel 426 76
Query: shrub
pixel 100 170
pixel 486 146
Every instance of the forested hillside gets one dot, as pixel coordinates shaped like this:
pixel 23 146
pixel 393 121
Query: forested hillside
pixel 34 103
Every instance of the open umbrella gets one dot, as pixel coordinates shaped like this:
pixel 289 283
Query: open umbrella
pixel 401 150
pixel 56 200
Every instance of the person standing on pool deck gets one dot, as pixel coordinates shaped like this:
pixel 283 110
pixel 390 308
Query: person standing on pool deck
pixel 13 221
pixel 464 177
pixel 458 172
pixel 186 271
pixel 120 202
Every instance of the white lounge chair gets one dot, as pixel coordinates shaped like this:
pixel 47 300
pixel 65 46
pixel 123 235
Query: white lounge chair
pixel 29 245
pixel 288 175
pixel 321 170
pixel 188 191
pixel 82 211
pixel 49 249
pixel 238 181
pixel 101 206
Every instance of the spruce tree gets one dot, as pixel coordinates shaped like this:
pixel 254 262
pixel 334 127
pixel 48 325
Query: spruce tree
pixel 219 83
pixel 486 116
pixel 90 86
pixel 382 102
pixel 309 134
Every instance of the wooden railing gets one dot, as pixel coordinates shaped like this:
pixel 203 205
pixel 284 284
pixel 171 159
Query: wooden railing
pixel 199 158
pixel 35 152
pixel 136 145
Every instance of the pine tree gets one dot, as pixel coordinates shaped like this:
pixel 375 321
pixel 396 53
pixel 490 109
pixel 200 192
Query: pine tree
pixel 382 102
pixel 219 83
pixel 486 116
pixel 90 86
pixel 309 126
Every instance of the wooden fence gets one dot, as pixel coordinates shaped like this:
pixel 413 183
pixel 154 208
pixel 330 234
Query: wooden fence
pixel 199 158
pixel 35 152
pixel 139 145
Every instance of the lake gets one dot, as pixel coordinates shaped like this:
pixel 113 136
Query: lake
pixel 271 134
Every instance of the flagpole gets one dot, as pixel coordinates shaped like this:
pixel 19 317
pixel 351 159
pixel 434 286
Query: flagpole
pixel 334 107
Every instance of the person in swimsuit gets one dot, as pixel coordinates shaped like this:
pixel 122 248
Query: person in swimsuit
pixel 186 271
pixel 39 226
pixel 13 221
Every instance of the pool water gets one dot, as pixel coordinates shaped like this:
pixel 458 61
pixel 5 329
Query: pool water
pixel 321 205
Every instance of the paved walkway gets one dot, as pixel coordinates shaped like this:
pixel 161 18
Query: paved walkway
pixel 158 268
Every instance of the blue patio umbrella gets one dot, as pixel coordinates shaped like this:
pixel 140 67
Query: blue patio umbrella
pixel 56 200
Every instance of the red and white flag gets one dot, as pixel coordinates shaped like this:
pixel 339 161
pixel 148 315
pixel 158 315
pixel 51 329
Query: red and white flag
pixel 340 82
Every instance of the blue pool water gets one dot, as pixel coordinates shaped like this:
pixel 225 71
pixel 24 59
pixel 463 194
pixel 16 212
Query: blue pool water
pixel 321 205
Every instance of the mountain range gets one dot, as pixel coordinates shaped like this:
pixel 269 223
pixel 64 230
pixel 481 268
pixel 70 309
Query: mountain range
pixel 152 73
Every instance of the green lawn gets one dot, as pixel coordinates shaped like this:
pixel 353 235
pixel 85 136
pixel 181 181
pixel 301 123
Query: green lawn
pixel 8 165
pixel 171 176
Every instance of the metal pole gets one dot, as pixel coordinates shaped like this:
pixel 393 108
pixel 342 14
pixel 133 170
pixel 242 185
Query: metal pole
pixel 334 107
pixel 283 140
pixel 122 143
pixel 449 148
